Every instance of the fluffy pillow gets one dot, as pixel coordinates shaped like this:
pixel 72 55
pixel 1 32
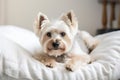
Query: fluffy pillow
pixel 16 62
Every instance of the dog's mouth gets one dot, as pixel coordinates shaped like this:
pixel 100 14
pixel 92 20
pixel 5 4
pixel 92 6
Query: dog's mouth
pixel 50 49
pixel 55 51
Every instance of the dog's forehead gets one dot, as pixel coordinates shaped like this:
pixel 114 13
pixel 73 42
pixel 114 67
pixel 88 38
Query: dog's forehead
pixel 59 25
pixel 55 26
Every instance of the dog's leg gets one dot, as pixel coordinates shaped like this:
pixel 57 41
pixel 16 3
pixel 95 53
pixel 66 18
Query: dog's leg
pixel 77 61
pixel 89 40
pixel 46 60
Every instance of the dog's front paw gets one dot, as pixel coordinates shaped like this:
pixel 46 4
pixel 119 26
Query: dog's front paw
pixel 77 61
pixel 49 62
pixel 46 60
pixel 71 66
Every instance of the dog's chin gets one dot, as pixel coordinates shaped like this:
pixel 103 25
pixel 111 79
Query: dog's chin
pixel 55 52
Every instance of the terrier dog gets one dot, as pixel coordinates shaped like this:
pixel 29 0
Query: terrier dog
pixel 59 41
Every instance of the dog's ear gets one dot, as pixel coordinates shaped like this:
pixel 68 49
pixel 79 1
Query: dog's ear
pixel 39 22
pixel 70 19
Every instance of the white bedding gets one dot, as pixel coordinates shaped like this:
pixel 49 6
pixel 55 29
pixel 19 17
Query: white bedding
pixel 16 46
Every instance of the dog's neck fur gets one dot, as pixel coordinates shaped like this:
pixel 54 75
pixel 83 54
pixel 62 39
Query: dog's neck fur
pixel 61 58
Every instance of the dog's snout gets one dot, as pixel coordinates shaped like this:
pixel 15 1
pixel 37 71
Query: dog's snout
pixel 55 44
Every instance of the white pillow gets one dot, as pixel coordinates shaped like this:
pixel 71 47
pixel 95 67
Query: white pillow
pixel 16 45
pixel 22 37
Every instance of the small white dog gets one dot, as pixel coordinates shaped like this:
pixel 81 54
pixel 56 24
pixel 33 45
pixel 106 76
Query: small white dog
pixel 59 41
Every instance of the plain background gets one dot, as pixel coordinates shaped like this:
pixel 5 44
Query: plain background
pixel 23 12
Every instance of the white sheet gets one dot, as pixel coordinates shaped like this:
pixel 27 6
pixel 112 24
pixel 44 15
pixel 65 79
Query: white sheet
pixel 16 46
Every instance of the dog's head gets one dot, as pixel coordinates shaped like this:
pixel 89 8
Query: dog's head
pixel 56 37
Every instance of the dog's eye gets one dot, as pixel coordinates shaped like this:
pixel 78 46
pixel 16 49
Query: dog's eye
pixel 62 34
pixel 49 34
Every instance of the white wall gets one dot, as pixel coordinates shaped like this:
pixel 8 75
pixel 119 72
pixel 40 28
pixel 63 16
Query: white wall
pixel 23 12
pixel 2 11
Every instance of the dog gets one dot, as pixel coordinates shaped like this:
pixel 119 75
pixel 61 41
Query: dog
pixel 59 41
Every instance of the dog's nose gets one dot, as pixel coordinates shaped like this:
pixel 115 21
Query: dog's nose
pixel 55 44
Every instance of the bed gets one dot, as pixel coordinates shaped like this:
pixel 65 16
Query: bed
pixel 16 63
